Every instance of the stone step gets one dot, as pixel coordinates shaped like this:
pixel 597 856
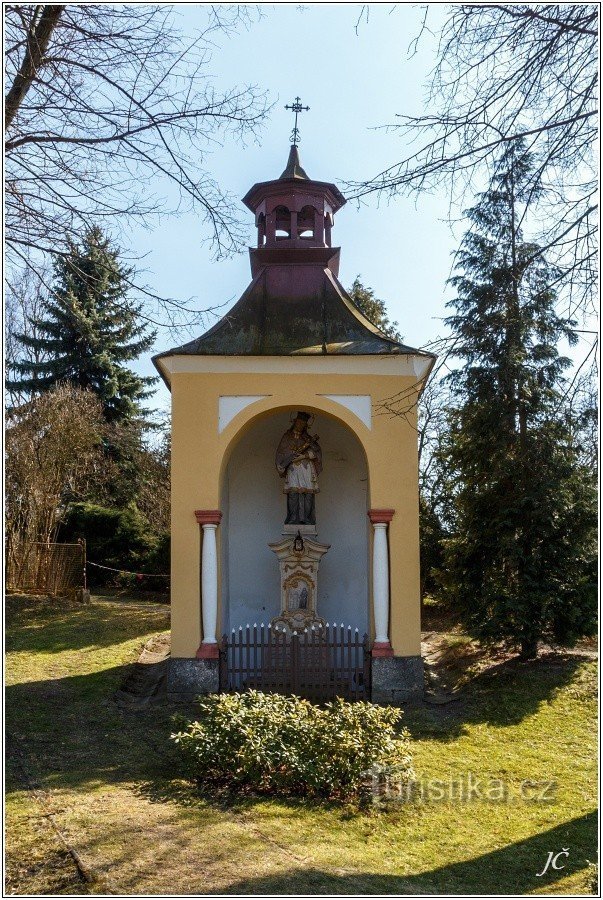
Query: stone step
pixel 144 683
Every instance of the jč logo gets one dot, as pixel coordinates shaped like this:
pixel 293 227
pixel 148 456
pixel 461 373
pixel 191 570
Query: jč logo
pixel 552 861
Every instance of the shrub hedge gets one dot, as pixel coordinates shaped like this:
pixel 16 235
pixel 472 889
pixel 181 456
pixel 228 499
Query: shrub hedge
pixel 286 745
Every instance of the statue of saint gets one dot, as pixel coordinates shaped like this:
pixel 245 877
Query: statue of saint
pixel 299 462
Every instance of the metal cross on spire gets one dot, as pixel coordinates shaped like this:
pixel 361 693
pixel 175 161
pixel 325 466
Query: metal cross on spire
pixel 296 107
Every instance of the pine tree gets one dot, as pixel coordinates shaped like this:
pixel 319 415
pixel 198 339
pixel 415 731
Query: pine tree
pixel 90 330
pixel 374 309
pixel 520 565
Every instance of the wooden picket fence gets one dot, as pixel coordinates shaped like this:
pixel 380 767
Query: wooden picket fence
pixel 318 664
pixel 45 568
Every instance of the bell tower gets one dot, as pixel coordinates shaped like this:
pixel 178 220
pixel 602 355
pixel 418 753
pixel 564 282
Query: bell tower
pixel 294 211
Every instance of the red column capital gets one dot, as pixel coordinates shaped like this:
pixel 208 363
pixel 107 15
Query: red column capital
pixel 208 516
pixel 381 516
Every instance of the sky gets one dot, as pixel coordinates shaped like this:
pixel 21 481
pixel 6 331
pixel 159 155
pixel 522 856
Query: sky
pixel 355 76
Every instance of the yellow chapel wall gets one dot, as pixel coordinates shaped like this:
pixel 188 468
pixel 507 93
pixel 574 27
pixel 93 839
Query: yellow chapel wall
pixel 200 454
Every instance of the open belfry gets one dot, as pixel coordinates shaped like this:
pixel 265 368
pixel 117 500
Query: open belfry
pixel 295 505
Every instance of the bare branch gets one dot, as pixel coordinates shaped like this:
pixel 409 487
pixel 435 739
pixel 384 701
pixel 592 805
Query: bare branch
pixel 107 104
pixel 507 72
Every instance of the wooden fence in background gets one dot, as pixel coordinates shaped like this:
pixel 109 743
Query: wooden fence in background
pixel 38 568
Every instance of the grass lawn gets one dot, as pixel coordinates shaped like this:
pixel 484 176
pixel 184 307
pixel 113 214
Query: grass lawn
pixel 86 774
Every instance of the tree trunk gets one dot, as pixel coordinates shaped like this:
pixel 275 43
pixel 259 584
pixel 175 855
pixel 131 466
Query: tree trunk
pixel 38 40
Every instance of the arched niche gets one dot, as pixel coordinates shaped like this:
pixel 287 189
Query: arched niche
pixel 282 223
pixel 253 507
pixel 306 223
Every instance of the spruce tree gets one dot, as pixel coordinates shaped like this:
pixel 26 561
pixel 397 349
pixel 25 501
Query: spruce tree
pixel 374 309
pixel 520 563
pixel 89 331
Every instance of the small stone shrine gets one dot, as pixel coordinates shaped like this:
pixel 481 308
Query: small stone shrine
pixel 295 496
pixel 299 559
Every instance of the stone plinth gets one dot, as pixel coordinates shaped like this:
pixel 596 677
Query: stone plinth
pixel 303 529
pixel 188 678
pixel 397 679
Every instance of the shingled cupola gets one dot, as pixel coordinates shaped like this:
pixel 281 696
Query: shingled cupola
pixel 294 353
pixel 294 303
pixel 294 211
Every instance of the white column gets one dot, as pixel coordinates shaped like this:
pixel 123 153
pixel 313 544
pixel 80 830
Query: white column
pixel 381 583
pixel 209 583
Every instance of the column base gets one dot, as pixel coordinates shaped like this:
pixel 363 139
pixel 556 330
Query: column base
pixel 208 651
pixel 397 679
pixel 188 678
pixel 381 649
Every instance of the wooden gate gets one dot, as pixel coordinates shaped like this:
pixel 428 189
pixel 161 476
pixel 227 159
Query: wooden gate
pixel 318 664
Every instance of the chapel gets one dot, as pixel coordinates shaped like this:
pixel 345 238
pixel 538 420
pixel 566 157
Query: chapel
pixel 295 503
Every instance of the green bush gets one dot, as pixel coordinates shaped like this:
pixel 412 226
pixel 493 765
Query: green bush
pixel 286 745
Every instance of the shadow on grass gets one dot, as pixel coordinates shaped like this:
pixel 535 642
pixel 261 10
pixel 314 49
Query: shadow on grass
pixel 501 696
pixel 81 735
pixel 509 870
pixel 74 734
pixel 78 737
pixel 48 625
pixel 191 794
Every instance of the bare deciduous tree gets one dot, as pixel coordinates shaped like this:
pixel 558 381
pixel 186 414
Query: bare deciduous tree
pixel 507 71
pixel 24 303
pixel 104 104
pixel 581 404
pixel 53 452
pixel 154 497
